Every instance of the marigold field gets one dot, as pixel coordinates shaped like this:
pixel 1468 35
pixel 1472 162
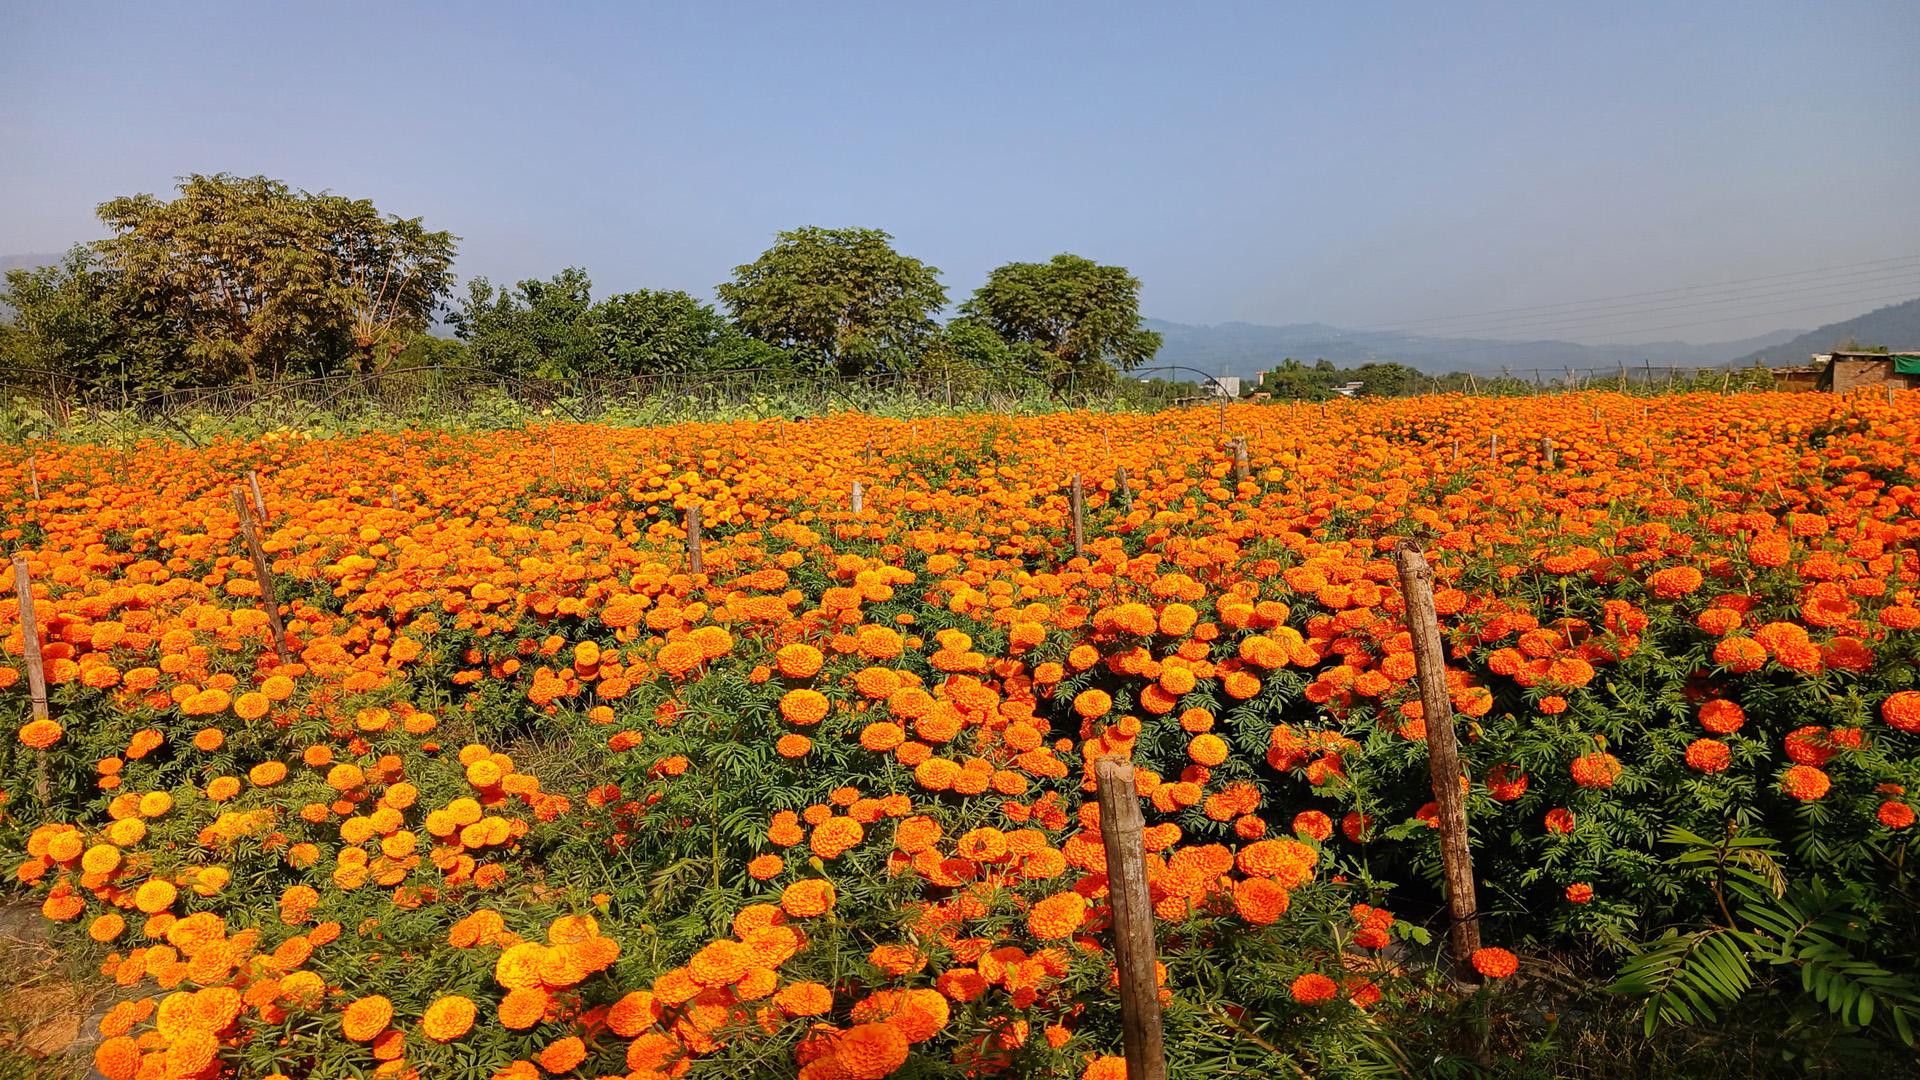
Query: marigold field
pixel 533 799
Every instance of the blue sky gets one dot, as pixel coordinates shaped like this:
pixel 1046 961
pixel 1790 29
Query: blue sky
pixel 1362 164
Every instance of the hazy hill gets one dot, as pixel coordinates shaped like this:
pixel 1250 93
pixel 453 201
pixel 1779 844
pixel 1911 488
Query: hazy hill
pixel 27 261
pixel 1896 326
pixel 1244 348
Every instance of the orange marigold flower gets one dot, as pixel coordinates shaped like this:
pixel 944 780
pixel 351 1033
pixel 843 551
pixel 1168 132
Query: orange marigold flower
pixel 808 898
pixel 1895 815
pixel 1259 900
pixel 366 1018
pixel 563 1054
pixel 804 999
pixel 1057 916
pixel 1314 988
pixel 448 1018
pixel 1806 783
pixel 1495 962
pixel 1596 770
pixel 798 660
pixel 870 1051
pixel 1708 755
pixel 1674 582
pixel 803 706
pixel 41 734
pixel 1902 710
pixel 1722 717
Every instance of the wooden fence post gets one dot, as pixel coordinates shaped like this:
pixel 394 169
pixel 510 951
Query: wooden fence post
pixel 1240 460
pixel 1546 449
pixel 1493 448
pixel 393 495
pixel 36 668
pixel 693 540
pixel 1456 449
pixel 259 504
pixel 869 451
pixel 1120 478
pixel 1077 501
pixel 858 502
pixel 263 574
pixel 1443 753
pixel 30 635
pixel 1122 833
pixel 33 478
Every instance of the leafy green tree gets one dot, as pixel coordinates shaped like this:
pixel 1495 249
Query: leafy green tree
pixel 537 329
pixel 1079 321
pixel 555 330
pixel 77 319
pixel 267 280
pixel 842 298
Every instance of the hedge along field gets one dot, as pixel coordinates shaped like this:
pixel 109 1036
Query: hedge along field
pixel 534 799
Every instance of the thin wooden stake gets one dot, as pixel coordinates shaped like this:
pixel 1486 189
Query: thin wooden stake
pixel 869 451
pixel 1126 490
pixel 393 495
pixel 694 562
pixel 1493 448
pixel 1077 499
pixel 263 574
pixel 30 635
pixel 1240 460
pixel 1123 834
pixel 1546 449
pixel 33 477
pixel 36 670
pixel 1456 449
pixel 1443 753
pixel 858 502
pixel 259 504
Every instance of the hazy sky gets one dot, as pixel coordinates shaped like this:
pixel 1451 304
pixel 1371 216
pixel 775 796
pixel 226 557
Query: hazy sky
pixel 1362 164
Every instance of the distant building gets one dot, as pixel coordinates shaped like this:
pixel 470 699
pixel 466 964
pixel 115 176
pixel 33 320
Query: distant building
pixel 1349 389
pixel 1849 371
pixel 1227 386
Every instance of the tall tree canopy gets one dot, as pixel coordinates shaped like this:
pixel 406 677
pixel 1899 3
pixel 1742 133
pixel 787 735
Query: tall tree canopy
pixel 75 318
pixel 266 280
pixel 842 297
pixel 554 330
pixel 1071 319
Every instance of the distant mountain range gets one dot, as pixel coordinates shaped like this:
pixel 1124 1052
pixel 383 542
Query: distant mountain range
pixel 26 262
pixel 1896 326
pixel 1245 348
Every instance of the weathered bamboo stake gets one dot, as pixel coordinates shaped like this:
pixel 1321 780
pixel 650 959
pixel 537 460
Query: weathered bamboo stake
pixel 1546 449
pixel 869 451
pixel 1443 752
pixel 263 574
pixel 858 502
pixel 1240 460
pixel 1126 490
pixel 30 635
pixel 259 504
pixel 693 540
pixel 393 495
pixel 1493 448
pixel 33 478
pixel 1077 500
pixel 36 669
pixel 1123 834
pixel 1456 449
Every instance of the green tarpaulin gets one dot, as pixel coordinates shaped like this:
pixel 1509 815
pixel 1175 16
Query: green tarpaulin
pixel 1906 363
